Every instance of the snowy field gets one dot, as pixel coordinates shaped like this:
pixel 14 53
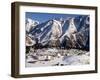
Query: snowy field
pixel 56 57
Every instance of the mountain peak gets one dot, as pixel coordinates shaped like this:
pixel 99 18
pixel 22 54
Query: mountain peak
pixel 72 28
pixel 30 23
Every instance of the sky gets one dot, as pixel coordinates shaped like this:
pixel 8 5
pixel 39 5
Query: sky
pixel 42 17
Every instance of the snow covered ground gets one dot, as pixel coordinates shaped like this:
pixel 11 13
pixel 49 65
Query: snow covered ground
pixel 56 57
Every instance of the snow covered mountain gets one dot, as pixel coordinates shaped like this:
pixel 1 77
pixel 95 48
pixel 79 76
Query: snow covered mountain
pixel 77 34
pixel 30 24
pixel 72 32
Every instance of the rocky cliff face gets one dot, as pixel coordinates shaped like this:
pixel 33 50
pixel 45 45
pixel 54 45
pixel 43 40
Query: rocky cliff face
pixel 68 33
pixel 77 35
